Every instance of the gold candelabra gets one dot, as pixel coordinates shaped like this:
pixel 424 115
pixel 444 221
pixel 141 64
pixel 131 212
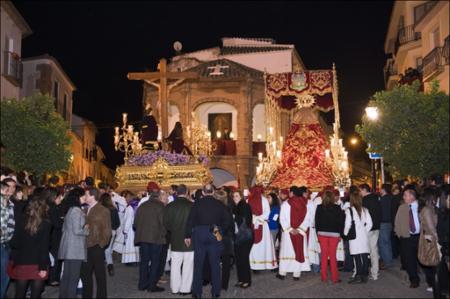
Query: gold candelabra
pixel 199 139
pixel 337 158
pixel 268 165
pixel 128 140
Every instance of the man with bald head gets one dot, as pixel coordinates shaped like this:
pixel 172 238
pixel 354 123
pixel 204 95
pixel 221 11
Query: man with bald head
pixel 204 229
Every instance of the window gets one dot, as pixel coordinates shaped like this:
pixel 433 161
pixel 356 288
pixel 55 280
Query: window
pixel 65 114
pixel 56 93
pixel 435 38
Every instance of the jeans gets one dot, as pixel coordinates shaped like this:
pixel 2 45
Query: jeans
pixel 384 243
pixel 149 275
pixel 348 263
pixel 205 243
pixel 4 280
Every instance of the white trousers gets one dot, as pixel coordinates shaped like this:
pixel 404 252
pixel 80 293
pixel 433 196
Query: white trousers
pixel 109 250
pixel 181 271
pixel 374 256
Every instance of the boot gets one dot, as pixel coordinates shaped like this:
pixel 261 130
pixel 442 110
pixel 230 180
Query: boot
pixel 355 280
pixel 111 270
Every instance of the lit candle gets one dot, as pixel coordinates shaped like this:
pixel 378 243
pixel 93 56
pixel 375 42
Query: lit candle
pixel 116 130
pixel 209 134
pixel 281 139
pixel 218 134
pixel 124 118
pixel 259 137
pixel 260 156
pixel 116 140
pixel 270 130
pixel 345 155
pixel 327 153
pixel 130 129
pixel 159 138
pixel 231 135
pixel 278 154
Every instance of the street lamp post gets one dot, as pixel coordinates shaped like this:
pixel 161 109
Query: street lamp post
pixel 373 114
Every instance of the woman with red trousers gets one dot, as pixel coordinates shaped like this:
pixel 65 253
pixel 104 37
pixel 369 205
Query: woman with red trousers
pixel 329 220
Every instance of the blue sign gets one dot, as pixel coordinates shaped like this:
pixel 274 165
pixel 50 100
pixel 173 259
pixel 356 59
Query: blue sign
pixel 374 156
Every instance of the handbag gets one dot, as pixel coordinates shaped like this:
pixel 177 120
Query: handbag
pixel 352 231
pixel 244 233
pixel 428 252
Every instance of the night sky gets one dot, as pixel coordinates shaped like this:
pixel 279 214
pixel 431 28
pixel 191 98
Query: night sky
pixel 98 43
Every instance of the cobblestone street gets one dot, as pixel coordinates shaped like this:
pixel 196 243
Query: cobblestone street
pixel 391 284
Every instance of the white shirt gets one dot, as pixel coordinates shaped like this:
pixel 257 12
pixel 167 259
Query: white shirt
pixel 415 211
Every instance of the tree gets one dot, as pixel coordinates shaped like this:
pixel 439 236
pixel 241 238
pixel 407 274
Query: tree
pixel 35 135
pixel 412 132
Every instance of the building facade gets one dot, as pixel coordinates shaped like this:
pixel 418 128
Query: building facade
pixel 44 74
pixel 417 43
pixel 12 30
pixel 87 157
pixel 230 86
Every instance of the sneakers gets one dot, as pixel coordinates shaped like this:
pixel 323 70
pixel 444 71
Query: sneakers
pixel 373 277
pixel 430 289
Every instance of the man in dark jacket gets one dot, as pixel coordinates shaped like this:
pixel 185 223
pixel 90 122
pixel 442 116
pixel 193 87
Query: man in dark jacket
pixel 206 219
pixel 150 237
pixel 176 215
pixel 384 242
pixel 371 202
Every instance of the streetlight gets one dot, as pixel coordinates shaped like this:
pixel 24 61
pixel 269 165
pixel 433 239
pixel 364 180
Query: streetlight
pixel 372 113
pixel 353 141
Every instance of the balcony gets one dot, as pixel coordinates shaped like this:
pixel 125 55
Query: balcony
pixel 433 63
pixel 420 11
pixel 12 68
pixel 446 50
pixel 406 35
pixel 390 74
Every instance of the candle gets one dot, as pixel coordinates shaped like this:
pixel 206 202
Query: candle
pixel 218 134
pixel 124 118
pixel 231 135
pixel 209 134
pixel 116 130
pixel 259 137
pixel 130 129
pixel 116 140
pixel 278 154
pixel 274 145
pixel 340 142
pixel 159 138
pixel 260 156
pixel 327 153
pixel 270 130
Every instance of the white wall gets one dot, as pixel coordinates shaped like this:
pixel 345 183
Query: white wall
pixel 203 110
pixel 173 116
pixel 272 62
pixel 259 122
pixel 9 29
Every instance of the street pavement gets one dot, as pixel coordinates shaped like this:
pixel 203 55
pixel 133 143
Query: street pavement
pixel 391 283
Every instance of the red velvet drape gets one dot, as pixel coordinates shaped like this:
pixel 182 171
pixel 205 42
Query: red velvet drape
pixel 298 213
pixel 255 202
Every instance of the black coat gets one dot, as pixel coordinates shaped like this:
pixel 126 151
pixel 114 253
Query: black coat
pixel 329 219
pixel 56 213
pixel 372 203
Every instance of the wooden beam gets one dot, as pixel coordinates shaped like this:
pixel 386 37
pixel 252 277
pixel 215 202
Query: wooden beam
pixel 143 76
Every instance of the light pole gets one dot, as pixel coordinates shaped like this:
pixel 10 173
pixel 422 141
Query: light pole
pixel 373 115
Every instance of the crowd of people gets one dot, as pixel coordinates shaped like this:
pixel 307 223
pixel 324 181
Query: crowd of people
pixel 64 236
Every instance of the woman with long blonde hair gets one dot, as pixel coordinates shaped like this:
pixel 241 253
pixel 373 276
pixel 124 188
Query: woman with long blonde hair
pixel 357 219
pixel 30 246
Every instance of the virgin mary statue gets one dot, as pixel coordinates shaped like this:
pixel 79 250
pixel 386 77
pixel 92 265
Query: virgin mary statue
pixel 303 160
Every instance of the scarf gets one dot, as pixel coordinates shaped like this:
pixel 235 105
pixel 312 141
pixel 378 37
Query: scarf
pixel 298 213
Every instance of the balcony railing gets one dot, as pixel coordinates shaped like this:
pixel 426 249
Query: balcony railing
pixel 433 63
pixel 446 50
pixel 13 68
pixel 406 35
pixel 390 70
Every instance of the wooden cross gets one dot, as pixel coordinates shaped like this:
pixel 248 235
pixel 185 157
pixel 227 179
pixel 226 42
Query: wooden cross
pixel 163 76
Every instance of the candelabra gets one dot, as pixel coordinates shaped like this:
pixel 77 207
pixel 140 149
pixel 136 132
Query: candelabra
pixel 337 158
pixel 128 140
pixel 199 139
pixel 268 165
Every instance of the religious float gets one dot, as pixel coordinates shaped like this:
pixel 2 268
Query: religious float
pixel 159 164
pixel 307 157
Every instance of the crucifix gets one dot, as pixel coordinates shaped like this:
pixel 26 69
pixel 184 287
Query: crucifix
pixel 163 76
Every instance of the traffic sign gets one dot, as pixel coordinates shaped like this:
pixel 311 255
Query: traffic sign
pixel 374 156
